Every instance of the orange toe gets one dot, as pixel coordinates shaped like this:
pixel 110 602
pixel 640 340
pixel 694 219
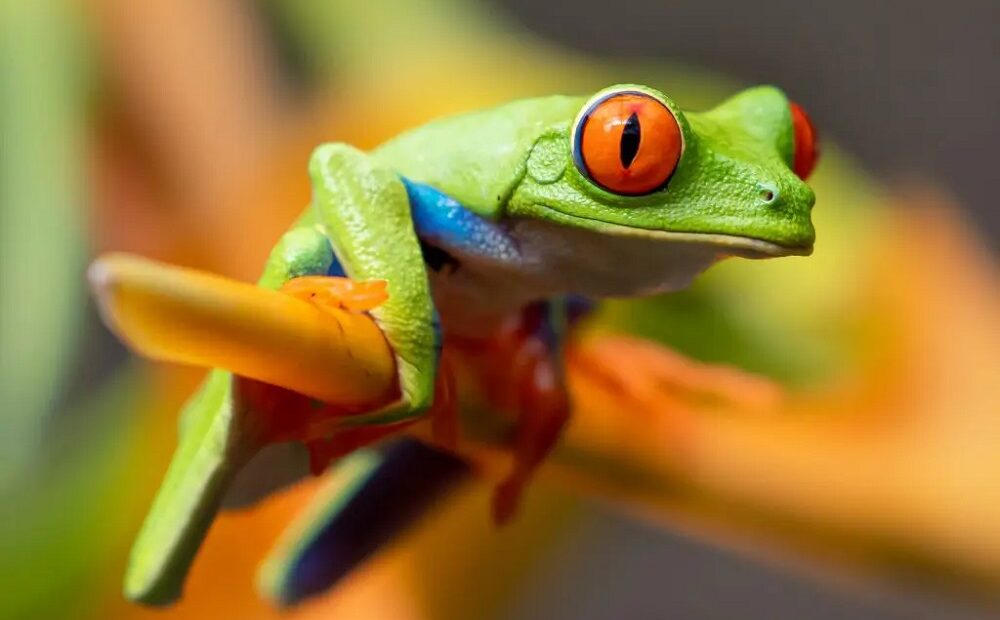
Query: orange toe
pixel 334 292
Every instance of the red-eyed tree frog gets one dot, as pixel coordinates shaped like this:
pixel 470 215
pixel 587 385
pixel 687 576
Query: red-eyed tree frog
pixel 492 226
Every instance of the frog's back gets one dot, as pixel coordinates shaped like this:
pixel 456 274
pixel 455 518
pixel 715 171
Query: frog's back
pixel 477 158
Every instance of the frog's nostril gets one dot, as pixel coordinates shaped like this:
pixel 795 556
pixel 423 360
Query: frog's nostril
pixel 768 193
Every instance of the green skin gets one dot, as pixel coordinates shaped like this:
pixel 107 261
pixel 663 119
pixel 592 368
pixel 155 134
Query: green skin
pixel 733 193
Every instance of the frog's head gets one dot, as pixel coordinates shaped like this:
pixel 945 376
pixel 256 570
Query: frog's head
pixel 633 163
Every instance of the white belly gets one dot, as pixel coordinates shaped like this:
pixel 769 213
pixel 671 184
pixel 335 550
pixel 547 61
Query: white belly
pixel 556 260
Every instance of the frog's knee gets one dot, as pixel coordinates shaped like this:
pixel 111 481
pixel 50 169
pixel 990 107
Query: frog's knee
pixel 331 156
pixel 305 251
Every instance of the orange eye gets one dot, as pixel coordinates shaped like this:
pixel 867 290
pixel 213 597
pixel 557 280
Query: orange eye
pixel 629 143
pixel 806 147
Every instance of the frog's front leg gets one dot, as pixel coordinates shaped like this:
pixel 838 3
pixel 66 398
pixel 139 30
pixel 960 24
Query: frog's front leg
pixel 364 210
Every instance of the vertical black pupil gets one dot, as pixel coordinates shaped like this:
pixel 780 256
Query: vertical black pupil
pixel 630 140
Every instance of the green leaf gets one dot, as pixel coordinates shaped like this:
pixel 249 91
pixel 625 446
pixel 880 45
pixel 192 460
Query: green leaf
pixel 41 218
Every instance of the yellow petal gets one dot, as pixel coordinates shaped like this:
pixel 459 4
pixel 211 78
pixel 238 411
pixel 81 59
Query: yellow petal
pixel 190 317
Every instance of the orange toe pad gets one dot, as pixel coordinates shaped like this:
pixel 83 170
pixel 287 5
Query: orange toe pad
pixel 334 292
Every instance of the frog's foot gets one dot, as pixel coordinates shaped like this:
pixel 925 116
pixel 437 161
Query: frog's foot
pixel 341 293
pixel 543 406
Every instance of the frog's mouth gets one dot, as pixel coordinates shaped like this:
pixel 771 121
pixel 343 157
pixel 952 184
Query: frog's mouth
pixel 728 245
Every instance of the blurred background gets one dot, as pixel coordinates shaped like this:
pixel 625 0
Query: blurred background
pixel 180 130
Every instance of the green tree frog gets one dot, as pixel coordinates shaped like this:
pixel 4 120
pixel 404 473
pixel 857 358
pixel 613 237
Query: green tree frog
pixel 499 226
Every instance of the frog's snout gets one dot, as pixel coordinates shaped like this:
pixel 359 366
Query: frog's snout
pixel 781 206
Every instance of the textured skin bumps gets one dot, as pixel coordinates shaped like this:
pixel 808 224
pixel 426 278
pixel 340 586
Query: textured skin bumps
pixel 477 158
pixel 733 178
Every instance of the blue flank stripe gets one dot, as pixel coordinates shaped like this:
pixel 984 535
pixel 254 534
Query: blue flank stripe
pixel 442 221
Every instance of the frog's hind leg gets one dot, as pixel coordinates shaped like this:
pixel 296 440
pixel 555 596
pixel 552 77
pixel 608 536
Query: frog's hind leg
pixel 213 445
pixel 220 431
pixel 370 498
pixel 544 409
pixel 528 378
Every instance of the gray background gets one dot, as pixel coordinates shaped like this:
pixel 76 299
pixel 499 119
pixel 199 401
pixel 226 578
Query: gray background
pixel 610 568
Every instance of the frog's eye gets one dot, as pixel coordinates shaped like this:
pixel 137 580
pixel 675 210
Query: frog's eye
pixel 806 146
pixel 629 143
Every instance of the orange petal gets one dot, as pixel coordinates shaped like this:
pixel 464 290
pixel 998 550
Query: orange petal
pixel 190 317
